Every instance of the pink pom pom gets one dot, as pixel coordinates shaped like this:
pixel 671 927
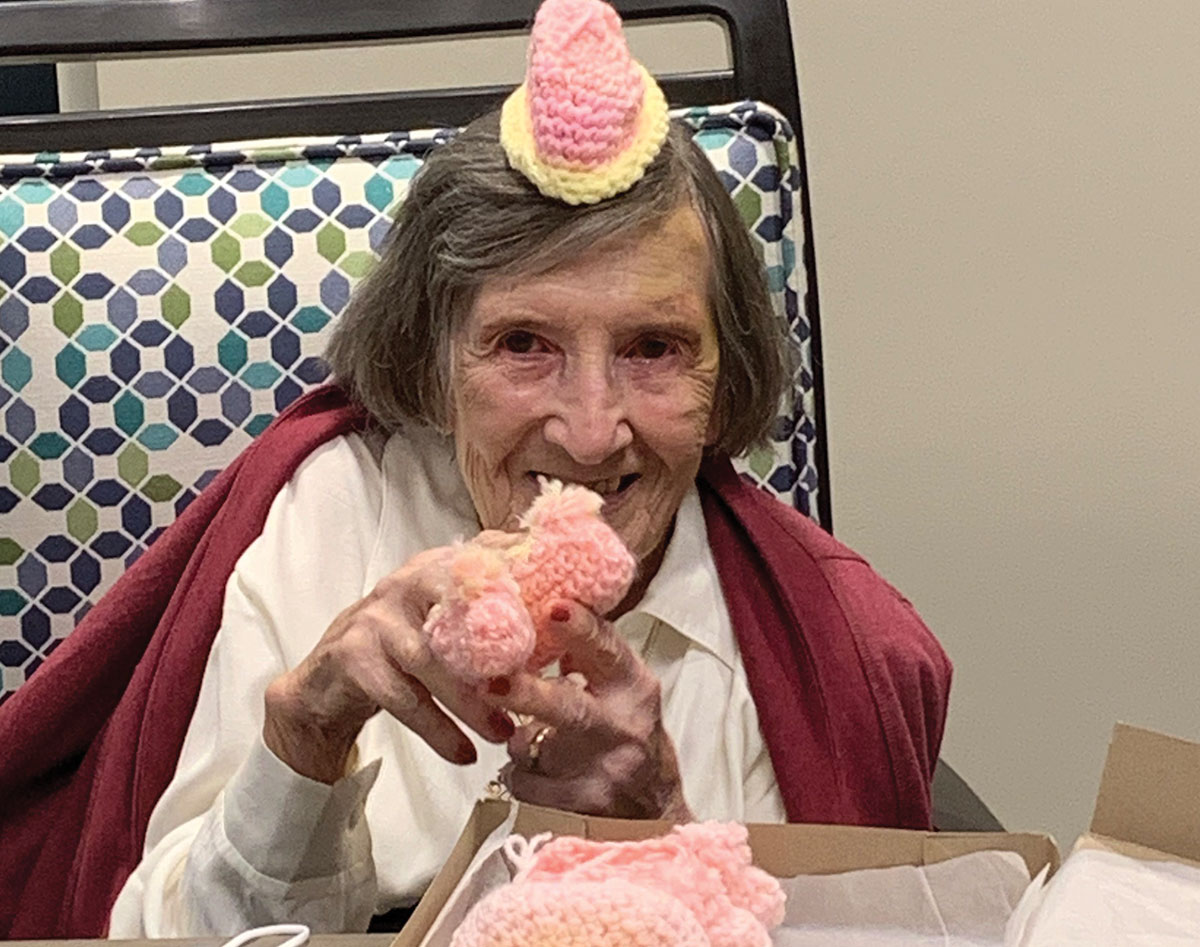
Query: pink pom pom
pixel 481 628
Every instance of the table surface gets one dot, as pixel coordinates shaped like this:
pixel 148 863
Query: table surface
pixel 317 940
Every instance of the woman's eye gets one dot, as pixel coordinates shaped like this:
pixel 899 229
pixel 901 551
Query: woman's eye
pixel 651 348
pixel 519 343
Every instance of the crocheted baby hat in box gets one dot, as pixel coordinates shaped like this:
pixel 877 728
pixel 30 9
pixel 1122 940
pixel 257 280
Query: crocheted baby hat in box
pixel 580 892
pixel 579 914
pixel 588 118
pixel 708 866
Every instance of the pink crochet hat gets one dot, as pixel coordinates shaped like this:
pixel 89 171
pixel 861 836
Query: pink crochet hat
pixel 695 887
pixel 588 118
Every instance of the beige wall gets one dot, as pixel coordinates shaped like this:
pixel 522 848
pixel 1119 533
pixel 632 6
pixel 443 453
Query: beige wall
pixel 1007 208
pixel 1007 213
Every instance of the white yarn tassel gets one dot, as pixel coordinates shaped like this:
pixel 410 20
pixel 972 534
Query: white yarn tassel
pixel 520 851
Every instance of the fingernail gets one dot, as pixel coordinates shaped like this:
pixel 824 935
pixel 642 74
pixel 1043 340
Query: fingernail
pixel 503 725
pixel 465 754
pixel 500 686
pixel 560 613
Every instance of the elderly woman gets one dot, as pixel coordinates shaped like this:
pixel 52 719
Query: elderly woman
pixel 623 340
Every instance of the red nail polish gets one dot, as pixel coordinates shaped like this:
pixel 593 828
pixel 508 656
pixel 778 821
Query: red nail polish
pixel 500 686
pixel 560 613
pixel 503 725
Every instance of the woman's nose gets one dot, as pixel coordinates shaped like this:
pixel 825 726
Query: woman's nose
pixel 589 422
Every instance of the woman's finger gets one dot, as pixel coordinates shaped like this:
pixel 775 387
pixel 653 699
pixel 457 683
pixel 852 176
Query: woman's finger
pixel 555 701
pixel 414 588
pixel 410 702
pixel 396 616
pixel 533 747
pixel 587 794
pixel 591 644
pixel 466 703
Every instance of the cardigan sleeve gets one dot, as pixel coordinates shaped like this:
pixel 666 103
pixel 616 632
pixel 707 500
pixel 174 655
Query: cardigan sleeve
pixel 905 667
pixel 217 859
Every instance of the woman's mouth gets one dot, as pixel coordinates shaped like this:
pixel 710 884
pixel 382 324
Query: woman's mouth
pixel 610 488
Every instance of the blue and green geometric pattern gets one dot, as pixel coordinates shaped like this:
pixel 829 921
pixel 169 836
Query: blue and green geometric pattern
pixel 159 306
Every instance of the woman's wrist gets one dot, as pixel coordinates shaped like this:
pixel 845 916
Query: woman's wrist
pixel 674 806
pixel 677 810
pixel 316 748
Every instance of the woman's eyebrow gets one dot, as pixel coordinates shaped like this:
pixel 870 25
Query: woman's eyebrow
pixel 637 324
pixel 515 316
pixel 659 325
pixel 671 313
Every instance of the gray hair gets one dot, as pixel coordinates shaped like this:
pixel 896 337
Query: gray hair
pixel 469 218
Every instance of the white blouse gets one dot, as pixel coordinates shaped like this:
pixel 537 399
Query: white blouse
pixel 239 839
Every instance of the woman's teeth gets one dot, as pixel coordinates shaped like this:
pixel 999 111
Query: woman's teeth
pixel 604 487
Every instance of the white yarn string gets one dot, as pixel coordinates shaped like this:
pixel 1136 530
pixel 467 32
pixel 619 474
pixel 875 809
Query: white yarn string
pixel 299 935
pixel 520 851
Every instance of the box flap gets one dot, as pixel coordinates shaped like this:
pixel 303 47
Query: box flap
pixel 486 817
pixel 788 850
pixel 1102 843
pixel 1148 793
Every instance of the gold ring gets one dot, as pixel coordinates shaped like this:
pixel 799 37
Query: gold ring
pixel 535 748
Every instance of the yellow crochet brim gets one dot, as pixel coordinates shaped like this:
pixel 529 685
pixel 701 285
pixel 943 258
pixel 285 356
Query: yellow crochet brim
pixel 585 186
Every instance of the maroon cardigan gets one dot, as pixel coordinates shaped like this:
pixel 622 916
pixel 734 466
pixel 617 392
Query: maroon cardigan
pixel 851 688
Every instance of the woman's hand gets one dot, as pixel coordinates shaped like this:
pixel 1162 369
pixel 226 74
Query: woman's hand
pixel 602 748
pixel 374 657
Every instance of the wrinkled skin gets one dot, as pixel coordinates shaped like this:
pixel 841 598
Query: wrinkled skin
pixel 374 657
pixel 601 372
pixel 606 752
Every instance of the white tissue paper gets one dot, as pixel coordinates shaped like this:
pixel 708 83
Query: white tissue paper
pixel 1101 898
pixel 963 902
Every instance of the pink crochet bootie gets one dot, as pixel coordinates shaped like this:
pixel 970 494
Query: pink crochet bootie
pixel 495 616
pixel 698 882
pixel 572 554
pixel 588 118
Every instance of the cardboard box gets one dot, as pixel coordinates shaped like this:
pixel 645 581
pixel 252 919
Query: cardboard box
pixel 1108 892
pixel 1146 808
pixel 1148 805
pixel 782 850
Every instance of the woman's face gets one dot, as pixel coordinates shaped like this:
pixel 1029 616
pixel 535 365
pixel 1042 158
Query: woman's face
pixel 600 372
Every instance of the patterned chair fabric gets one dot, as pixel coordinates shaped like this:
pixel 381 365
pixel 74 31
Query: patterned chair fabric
pixel 159 307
